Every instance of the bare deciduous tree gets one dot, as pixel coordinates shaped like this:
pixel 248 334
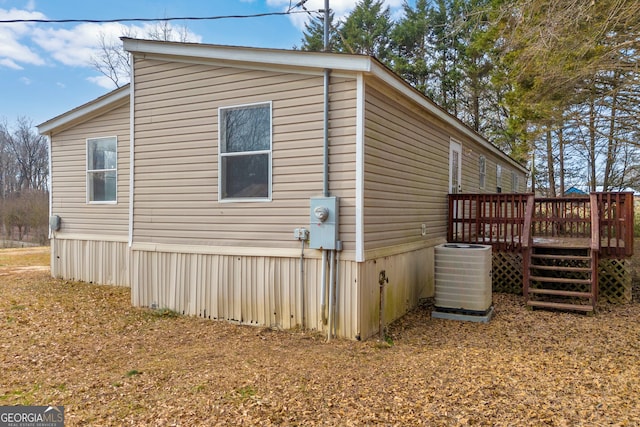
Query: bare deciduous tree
pixel 113 62
pixel 24 170
pixel 25 157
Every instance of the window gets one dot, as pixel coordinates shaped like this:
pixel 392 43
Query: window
pixel 245 152
pixel 515 182
pixel 102 165
pixel 483 171
pixel 498 179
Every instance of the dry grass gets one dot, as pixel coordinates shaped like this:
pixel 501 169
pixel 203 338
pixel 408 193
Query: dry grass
pixel 84 347
pixel 24 257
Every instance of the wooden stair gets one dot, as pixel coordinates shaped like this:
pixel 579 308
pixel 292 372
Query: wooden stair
pixel 561 271
pixel 562 278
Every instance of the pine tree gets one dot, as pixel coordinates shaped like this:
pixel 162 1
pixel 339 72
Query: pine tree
pixel 366 30
pixel 410 49
pixel 313 35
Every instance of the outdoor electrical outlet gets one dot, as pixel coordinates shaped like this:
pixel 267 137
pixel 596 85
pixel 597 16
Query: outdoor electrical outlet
pixel 301 234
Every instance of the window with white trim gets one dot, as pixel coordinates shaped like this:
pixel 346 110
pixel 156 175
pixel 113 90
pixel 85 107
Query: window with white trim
pixel 482 166
pixel 515 182
pixel 245 152
pixel 498 179
pixel 102 170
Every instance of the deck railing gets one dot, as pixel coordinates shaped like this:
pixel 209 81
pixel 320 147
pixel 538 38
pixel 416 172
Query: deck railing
pixel 491 219
pixel 499 220
pixel 616 223
pixel 566 217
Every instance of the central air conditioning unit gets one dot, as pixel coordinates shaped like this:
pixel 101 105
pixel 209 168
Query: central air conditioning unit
pixel 463 281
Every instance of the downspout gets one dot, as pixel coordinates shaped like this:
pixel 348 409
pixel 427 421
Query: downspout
pixel 323 283
pixel 331 296
pixel 329 320
pixel 325 162
pixel 327 72
pixel 336 296
pixel 325 193
pixel 302 293
pixel 325 175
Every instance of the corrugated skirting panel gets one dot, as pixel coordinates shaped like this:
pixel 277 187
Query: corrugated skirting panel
pixel 100 262
pixel 410 277
pixel 254 290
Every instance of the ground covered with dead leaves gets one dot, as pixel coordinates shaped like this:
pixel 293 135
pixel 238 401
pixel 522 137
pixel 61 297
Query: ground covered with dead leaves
pixel 84 347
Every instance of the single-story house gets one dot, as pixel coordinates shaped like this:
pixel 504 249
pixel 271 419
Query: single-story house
pixel 262 186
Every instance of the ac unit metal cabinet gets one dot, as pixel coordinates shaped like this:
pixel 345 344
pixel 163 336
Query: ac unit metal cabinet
pixel 463 277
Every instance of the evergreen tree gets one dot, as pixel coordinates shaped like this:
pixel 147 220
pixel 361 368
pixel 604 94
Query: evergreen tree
pixel 366 30
pixel 313 35
pixel 410 45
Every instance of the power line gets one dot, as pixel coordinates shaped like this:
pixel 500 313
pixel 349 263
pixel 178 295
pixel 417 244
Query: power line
pixel 184 18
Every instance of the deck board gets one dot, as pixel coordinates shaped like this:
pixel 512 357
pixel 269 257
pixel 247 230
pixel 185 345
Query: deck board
pixel 562 242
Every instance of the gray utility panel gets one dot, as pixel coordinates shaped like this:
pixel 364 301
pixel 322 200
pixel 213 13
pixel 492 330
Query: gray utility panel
pixel 323 223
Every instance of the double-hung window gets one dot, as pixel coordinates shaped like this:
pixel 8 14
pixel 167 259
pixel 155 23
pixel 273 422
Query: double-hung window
pixel 498 179
pixel 245 152
pixel 102 170
pixel 515 182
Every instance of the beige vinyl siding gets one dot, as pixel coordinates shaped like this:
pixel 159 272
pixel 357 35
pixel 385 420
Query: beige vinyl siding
pixel 405 173
pixel 471 172
pixel 93 261
pixel 69 179
pixel 263 291
pixel 176 154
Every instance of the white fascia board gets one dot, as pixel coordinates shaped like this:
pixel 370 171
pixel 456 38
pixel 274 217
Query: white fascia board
pixel 132 143
pixel 94 106
pixel 318 60
pixel 400 85
pixel 50 183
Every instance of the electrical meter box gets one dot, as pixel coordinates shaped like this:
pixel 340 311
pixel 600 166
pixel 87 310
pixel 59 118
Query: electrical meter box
pixel 54 222
pixel 323 223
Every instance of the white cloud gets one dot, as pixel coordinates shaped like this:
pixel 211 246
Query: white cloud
pixel 14 49
pixel 9 63
pixel 340 8
pixel 25 80
pixel 36 44
pixel 77 45
pixel 102 81
pixel 61 85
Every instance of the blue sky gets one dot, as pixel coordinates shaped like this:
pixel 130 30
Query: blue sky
pixel 45 67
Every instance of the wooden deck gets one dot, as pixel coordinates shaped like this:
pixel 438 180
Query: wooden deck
pixel 499 220
pixel 561 239
pixel 561 242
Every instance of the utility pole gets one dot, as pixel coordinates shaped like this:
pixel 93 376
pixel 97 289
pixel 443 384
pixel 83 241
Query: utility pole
pixel 326 25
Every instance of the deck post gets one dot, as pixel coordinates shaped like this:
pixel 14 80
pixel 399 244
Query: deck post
pixel 527 239
pixel 595 246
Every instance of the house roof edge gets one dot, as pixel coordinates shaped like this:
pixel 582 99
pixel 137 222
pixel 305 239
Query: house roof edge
pixel 103 102
pixel 395 81
pixel 242 54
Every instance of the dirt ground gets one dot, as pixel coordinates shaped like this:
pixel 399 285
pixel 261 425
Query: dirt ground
pixel 84 347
